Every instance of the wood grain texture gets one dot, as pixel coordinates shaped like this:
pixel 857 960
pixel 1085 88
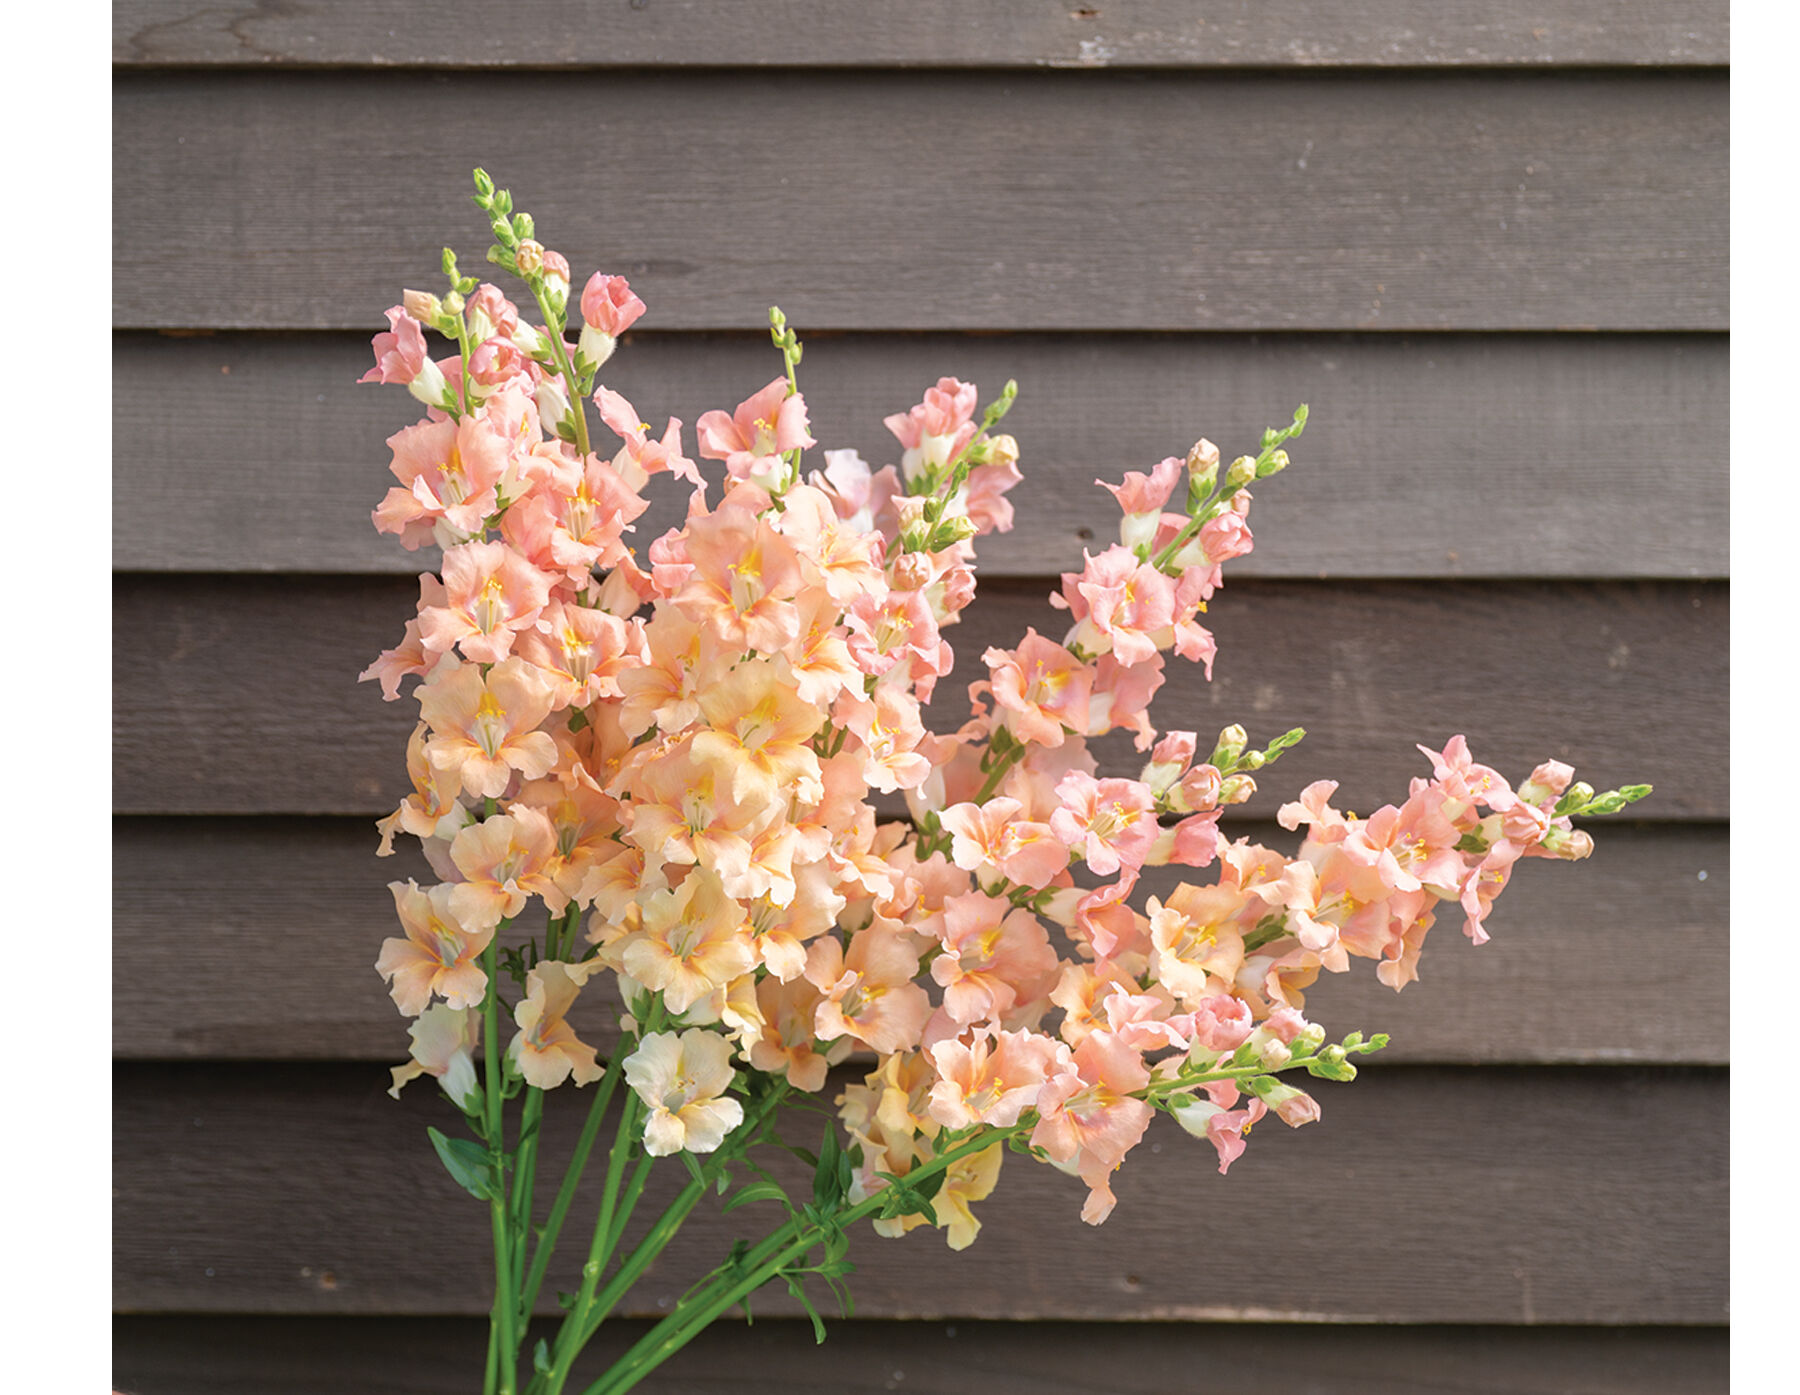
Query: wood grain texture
pixel 944 201
pixel 237 695
pixel 1454 455
pixel 426 1356
pixel 935 33
pixel 256 938
pixel 1424 1196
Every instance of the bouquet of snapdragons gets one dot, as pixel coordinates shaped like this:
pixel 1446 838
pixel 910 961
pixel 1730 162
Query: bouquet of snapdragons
pixel 677 751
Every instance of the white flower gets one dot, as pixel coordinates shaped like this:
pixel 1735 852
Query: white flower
pixel 682 1079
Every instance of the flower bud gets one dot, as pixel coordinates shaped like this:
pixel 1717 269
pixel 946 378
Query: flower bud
pixel 1242 471
pixel 1232 741
pixel 453 304
pixel 1236 790
pixel 595 345
pixel 1197 791
pixel 1548 781
pixel 422 306
pixel 1253 760
pixel 556 279
pixel 1203 457
pixel 429 385
pixel 912 571
pixel 552 402
pixel 460 1084
pixel 529 255
pixel 1295 1107
pixel 1274 465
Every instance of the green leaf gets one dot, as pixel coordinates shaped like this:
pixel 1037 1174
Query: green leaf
pixel 827 1188
pixel 757 1191
pixel 693 1167
pixel 798 1289
pixel 540 1357
pixel 468 1162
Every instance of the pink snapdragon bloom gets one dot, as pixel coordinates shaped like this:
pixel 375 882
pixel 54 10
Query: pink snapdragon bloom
pixel 433 798
pixel 888 729
pixel 1221 1126
pixel 693 941
pixel 1087 1116
pixel 869 993
pixel 1141 498
pixel 1110 823
pixel 641 457
pixel 546 1050
pixel 1041 687
pixel 437 956
pixel 504 861
pixel 745 576
pixel 608 309
pixel 449 472
pixel 995 956
pixel 936 431
pixel 752 440
pixel 400 357
pixel 1122 605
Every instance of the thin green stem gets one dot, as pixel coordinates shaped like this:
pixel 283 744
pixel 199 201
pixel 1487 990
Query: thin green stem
pixel 565 1195
pixel 504 1335
pixel 559 351
pixel 998 773
pixel 525 1180
pixel 762 1264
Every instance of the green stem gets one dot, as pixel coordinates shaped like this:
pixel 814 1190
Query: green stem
pixel 998 773
pixel 565 1195
pixel 560 352
pixel 762 1264
pixel 503 1333
pixel 671 1220
pixel 525 1181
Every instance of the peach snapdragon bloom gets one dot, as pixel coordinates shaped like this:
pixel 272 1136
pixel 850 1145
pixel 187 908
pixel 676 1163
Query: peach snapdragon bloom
pixel 753 439
pixel 486 728
pixel 992 1079
pixel 444 1040
pixel 1041 688
pixel 489 593
pixel 744 578
pixel 546 1050
pixel 992 837
pixel 869 992
pixel 438 954
pixel 693 941
pixel 757 733
pixel 683 1081
pixel 1087 1117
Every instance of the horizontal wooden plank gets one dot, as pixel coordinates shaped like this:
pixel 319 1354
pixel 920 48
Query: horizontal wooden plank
pixel 1635 935
pixel 932 33
pixel 428 1356
pixel 237 695
pixel 1515 455
pixel 1499 1197
pixel 945 201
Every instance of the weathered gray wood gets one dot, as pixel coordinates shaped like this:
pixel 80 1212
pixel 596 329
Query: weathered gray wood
pixel 426 1356
pixel 937 33
pixel 1636 936
pixel 1424 1195
pixel 943 201
pixel 238 695
pixel 1518 455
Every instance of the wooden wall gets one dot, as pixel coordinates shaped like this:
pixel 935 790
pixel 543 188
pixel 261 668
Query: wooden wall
pixel 1486 243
